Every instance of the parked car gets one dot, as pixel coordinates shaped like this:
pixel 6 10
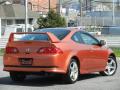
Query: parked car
pixel 64 51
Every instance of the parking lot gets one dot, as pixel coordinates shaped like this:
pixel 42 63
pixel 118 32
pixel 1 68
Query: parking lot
pixel 86 82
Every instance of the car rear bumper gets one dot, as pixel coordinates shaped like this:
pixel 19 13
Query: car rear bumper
pixel 41 63
pixel 33 69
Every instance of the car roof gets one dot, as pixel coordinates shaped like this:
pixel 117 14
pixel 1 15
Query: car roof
pixel 66 28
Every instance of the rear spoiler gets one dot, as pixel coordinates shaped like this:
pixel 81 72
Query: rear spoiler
pixel 51 36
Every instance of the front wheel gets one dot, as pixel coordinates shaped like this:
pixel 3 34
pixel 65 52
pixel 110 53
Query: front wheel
pixel 111 67
pixel 17 77
pixel 72 73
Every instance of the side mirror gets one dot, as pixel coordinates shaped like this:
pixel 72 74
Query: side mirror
pixel 102 42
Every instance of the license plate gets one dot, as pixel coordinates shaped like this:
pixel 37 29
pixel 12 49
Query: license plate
pixel 26 61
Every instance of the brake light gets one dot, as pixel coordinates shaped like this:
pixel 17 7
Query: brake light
pixel 11 50
pixel 50 50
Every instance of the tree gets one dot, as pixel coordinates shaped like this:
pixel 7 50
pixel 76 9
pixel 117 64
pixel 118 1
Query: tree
pixel 51 20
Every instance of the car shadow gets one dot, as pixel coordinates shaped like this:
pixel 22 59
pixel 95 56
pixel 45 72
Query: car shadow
pixel 43 81
pixel 88 76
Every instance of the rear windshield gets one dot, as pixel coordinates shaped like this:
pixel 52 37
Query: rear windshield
pixel 36 37
pixel 59 33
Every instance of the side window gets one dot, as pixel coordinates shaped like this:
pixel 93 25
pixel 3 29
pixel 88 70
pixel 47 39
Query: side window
pixel 88 39
pixel 76 37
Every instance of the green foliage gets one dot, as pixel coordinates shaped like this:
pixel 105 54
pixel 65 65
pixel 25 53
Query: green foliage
pixel 51 20
pixel 116 51
pixel 1 52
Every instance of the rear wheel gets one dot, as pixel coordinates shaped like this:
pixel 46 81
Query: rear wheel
pixel 73 72
pixel 16 76
pixel 110 68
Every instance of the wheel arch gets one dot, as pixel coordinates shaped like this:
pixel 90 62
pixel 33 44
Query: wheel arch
pixel 69 60
pixel 113 55
pixel 77 60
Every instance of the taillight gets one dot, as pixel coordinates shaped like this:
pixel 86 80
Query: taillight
pixel 50 50
pixel 10 50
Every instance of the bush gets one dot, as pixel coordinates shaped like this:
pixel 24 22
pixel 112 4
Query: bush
pixel 51 20
pixel 1 51
pixel 116 51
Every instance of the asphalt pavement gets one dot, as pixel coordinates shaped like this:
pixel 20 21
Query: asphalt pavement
pixel 86 82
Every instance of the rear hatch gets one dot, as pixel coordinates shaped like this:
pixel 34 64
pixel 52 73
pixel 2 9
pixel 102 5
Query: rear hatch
pixel 26 43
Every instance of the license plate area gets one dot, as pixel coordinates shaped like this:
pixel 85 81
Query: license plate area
pixel 26 61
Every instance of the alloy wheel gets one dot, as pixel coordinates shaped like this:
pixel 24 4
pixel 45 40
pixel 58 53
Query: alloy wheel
pixel 111 67
pixel 73 71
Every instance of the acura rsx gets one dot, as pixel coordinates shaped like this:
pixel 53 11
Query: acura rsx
pixel 64 51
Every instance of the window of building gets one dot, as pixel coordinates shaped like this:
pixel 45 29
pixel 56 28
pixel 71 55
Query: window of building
pixel 19 30
pixel 20 21
pixel 9 22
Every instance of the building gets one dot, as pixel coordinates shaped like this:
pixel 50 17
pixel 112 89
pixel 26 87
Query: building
pixel 86 5
pixel 14 1
pixel 11 14
pixel 105 5
pixel 41 6
pixel 102 13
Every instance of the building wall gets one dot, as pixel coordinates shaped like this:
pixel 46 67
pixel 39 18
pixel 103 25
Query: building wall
pixel 16 1
pixel 5 22
pixel 87 5
pixel 106 3
pixel 38 5
pixel 42 5
pixel 0 28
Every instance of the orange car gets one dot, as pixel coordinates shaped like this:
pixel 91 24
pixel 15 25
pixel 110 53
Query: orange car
pixel 64 51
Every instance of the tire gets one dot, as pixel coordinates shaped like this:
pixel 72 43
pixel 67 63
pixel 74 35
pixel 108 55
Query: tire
pixel 72 72
pixel 17 77
pixel 111 67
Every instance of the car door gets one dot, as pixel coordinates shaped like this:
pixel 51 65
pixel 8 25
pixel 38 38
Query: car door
pixel 97 54
pixel 83 52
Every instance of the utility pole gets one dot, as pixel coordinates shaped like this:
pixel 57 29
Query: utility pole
pixel 38 6
pixel 49 1
pixel 26 15
pixel 80 1
pixel 113 12
pixel 59 6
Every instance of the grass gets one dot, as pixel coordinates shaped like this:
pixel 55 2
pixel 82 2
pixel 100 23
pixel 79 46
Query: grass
pixel 1 52
pixel 116 51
